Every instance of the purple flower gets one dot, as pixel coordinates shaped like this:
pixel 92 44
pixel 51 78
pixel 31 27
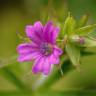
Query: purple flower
pixel 42 48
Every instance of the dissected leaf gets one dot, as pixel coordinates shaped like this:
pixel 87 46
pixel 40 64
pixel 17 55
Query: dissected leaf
pixel 73 53
pixel 85 30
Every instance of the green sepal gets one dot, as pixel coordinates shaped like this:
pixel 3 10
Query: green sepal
pixel 89 42
pixel 74 53
pixel 85 30
pixel 69 25
pixel 83 21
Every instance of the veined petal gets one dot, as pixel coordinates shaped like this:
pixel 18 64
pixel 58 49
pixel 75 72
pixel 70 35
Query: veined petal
pixel 46 67
pixel 51 32
pixel 54 59
pixel 38 27
pixel 28 57
pixel 26 48
pixel 57 51
pixel 38 65
pixel 33 34
pixel 54 34
pixel 47 28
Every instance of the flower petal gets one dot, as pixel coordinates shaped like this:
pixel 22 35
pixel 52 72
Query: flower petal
pixel 28 57
pixel 46 66
pixel 57 51
pixel 54 59
pixel 34 32
pixel 54 34
pixel 51 32
pixel 46 30
pixel 37 67
pixel 38 27
pixel 26 48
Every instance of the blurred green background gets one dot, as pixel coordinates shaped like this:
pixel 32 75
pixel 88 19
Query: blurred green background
pixel 15 78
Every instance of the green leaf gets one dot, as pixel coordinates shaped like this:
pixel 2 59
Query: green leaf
pixel 83 20
pixel 73 53
pixel 85 30
pixel 69 25
pixel 89 43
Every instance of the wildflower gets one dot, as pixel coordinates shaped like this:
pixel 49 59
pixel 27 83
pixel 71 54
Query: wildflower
pixel 42 48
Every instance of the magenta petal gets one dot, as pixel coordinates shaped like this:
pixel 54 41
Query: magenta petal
pixel 47 27
pixel 30 31
pixel 46 67
pixel 47 31
pixel 54 59
pixel 54 34
pixel 28 57
pixel 51 32
pixel 23 58
pixel 37 67
pixel 26 48
pixel 38 27
pixel 57 51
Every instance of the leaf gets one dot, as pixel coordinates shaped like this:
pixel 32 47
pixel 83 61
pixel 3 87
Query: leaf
pixel 85 30
pixel 69 25
pixel 73 52
pixel 83 20
pixel 89 42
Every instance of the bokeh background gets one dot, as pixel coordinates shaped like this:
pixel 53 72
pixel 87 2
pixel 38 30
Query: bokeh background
pixel 15 78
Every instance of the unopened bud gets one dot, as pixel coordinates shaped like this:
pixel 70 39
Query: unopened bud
pixel 81 40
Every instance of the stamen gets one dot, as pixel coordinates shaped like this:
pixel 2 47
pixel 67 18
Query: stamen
pixel 46 49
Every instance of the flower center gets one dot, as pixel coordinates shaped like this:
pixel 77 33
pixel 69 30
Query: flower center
pixel 46 49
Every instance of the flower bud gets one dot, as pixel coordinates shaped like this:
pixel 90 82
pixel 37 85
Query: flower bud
pixel 78 39
pixel 81 40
